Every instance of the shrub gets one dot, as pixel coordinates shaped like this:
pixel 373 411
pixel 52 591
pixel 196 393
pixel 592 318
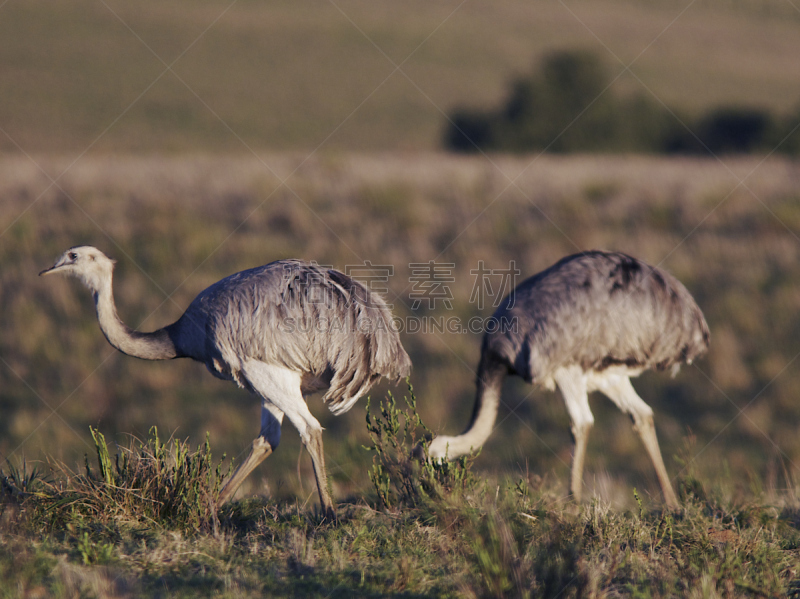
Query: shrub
pixel 566 107
pixel 569 106
pixel 788 134
pixel 735 130
pixel 166 485
pixel 402 473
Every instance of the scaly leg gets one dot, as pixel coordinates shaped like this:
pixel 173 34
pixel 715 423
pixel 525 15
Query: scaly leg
pixel 314 447
pixel 572 383
pixel 282 387
pixel 621 392
pixel 263 445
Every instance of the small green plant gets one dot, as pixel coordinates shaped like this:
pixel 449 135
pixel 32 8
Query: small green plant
pixel 92 552
pixel 638 501
pixel 495 552
pixel 163 485
pixel 19 482
pixel 402 472
pixel 164 482
pixel 690 485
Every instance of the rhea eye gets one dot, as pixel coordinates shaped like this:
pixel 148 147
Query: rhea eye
pixel 72 256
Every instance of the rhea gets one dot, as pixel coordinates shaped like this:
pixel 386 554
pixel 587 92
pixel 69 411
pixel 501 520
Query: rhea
pixel 588 323
pixel 281 331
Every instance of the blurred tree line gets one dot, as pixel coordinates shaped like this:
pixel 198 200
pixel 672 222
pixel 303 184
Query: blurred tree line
pixel 567 107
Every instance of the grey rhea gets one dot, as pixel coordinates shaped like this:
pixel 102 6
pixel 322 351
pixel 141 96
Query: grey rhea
pixel 587 323
pixel 281 331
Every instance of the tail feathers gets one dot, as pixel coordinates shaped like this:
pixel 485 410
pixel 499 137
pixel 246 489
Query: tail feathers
pixel 372 350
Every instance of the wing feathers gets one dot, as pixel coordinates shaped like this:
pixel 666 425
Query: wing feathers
pixel 317 321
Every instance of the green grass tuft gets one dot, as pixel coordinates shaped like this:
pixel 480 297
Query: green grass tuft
pixel 164 485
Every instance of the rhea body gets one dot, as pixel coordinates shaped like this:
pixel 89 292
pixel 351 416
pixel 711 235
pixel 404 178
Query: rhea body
pixel 281 331
pixel 588 323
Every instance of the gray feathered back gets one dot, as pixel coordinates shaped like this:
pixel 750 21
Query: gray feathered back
pixel 313 320
pixel 598 309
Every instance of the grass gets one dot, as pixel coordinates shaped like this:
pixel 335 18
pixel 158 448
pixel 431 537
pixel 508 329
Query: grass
pixel 163 484
pixel 247 72
pixel 478 537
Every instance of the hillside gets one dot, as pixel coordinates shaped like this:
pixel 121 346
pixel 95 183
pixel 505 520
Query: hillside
pixel 352 75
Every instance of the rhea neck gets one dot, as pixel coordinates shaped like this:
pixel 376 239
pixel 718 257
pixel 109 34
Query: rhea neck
pixel 484 414
pixel 157 345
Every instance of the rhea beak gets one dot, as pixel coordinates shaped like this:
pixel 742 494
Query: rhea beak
pixel 55 268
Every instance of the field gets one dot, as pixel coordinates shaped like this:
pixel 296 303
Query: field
pixel 217 76
pixel 189 140
pixel 727 424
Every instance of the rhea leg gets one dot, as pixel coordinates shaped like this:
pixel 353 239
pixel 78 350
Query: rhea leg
pixel 263 445
pixel 620 390
pixel 572 384
pixel 314 446
pixel 283 388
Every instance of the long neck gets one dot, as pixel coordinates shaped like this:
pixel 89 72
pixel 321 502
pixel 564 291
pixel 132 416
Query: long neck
pixel 484 414
pixel 149 346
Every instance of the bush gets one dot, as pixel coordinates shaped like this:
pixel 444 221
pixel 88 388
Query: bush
pixel 567 106
pixel 730 130
pixel 788 134
pixel 166 485
pixel 469 131
pixel 402 473
pixel 540 111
